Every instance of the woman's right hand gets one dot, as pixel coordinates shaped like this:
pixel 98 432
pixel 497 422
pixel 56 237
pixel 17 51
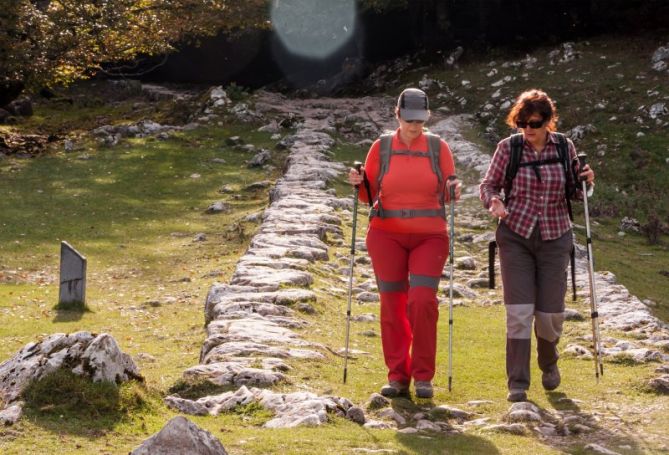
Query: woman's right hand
pixel 497 208
pixel 354 177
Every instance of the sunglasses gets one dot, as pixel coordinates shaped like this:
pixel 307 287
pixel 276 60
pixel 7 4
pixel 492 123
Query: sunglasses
pixel 415 121
pixel 535 124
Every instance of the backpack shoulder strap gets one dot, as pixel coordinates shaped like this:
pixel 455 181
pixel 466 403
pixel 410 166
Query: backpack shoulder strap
pixel 434 149
pixel 385 148
pixel 570 178
pixel 516 141
pixel 563 151
pixel 563 147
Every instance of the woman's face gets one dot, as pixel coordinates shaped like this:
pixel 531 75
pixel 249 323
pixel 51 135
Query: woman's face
pixel 410 130
pixel 534 128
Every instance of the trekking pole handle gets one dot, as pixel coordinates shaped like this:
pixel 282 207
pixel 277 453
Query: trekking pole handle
pixel 451 189
pixel 357 165
pixel 582 161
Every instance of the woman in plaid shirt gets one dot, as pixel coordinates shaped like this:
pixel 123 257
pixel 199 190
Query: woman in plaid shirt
pixel 534 239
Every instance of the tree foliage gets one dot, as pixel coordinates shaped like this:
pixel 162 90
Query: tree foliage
pixel 46 42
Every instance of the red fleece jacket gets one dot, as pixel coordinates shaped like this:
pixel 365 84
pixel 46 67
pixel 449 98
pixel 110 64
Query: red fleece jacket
pixel 409 183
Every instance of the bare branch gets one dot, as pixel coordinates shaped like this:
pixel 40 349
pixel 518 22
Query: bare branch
pixel 112 71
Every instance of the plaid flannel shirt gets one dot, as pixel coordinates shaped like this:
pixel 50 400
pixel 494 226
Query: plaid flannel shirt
pixel 532 200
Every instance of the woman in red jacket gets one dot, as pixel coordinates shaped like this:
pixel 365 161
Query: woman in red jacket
pixel 407 175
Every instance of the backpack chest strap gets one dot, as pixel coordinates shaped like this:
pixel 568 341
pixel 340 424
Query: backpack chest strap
pixel 410 153
pixel 535 165
pixel 540 162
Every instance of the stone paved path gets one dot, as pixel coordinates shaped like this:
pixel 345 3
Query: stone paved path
pixel 254 328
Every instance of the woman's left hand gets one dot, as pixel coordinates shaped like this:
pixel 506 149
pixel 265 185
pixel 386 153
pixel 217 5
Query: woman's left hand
pixel 587 174
pixel 458 187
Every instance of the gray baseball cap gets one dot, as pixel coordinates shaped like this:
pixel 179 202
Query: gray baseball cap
pixel 413 105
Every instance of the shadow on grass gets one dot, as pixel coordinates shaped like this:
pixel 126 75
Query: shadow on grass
pixel 70 312
pixel 439 444
pixel 63 402
pixel 193 390
pixel 428 443
pixel 575 422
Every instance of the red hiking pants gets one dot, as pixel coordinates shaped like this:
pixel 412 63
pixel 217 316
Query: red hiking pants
pixel 408 268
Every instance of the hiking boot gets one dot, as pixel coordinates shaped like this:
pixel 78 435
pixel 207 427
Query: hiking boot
pixel 550 379
pixel 423 389
pixel 516 395
pixel 394 388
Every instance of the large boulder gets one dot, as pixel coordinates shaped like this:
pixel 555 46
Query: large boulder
pixel 97 357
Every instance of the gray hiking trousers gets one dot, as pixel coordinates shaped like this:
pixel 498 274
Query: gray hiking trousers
pixel 534 277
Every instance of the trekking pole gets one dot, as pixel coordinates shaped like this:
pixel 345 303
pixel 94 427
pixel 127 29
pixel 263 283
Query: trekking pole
pixel 492 248
pixel 594 315
pixel 451 231
pixel 572 259
pixel 357 165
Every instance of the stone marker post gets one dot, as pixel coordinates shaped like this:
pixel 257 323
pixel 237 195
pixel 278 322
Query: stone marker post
pixel 72 275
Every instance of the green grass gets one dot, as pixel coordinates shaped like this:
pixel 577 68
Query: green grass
pixel 133 210
pixel 64 395
pixel 636 264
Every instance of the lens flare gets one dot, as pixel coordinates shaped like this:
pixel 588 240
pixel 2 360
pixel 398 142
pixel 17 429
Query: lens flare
pixel 313 28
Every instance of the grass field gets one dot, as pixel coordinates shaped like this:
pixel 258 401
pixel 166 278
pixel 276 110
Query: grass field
pixel 134 210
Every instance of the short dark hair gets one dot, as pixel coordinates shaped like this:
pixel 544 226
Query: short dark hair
pixel 532 102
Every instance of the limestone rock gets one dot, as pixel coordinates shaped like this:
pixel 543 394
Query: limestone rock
pixel 95 356
pixel 368 297
pixel 599 450
pixel 377 425
pixel 260 159
pixel 446 412
pixel 523 416
pixel 390 413
pixel 237 373
pixel 426 425
pixel 513 428
pixel 366 317
pixel 660 384
pixel 465 263
pixel 481 283
pixel 11 414
pixel 377 401
pixel 104 359
pixel 356 414
pixel 218 207
pixel 577 351
pixel 572 315
pixel 180 436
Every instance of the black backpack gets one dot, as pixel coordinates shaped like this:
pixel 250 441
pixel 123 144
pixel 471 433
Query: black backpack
pixel 512 167
pixel 563 157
